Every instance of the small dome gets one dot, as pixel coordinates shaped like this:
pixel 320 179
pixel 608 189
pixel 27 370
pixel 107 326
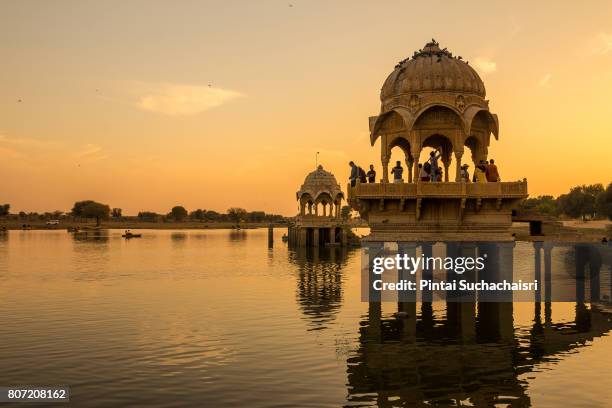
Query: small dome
pixel 432 70
pixel 318 182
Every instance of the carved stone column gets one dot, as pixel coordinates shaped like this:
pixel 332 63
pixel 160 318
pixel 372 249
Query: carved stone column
pixel 415 157
pixel 409 164
pixel 446 161
pixel 458 156
pixel 385 167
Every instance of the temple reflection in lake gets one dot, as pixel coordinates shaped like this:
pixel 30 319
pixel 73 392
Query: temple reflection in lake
pixel 462 353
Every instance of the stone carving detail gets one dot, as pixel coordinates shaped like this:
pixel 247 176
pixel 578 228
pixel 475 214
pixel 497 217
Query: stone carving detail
pixel 460 102
pixel 414 103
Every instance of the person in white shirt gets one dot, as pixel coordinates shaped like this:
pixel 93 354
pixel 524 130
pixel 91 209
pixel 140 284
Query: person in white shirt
pixel 397 172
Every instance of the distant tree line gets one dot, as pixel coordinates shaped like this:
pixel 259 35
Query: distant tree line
pixel 586 202
pixel 234 214
pixel 89 209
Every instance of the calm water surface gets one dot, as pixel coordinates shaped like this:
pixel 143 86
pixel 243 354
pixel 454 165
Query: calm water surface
pixel 215 318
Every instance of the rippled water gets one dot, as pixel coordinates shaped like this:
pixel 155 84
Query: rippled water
pixel 215 318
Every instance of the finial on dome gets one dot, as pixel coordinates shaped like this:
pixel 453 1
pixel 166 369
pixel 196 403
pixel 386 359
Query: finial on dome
pixel 320 167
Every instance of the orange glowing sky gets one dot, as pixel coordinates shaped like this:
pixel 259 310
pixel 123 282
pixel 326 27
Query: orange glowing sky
pixel 144 105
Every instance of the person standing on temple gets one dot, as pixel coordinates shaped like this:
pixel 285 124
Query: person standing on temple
pixel 492 173
pixel 465 175
pixel 433 161
pixel 354 173
pixel 480 172
pixel 362 175
pixel 423 171
pixel 397 172
pixel 371 174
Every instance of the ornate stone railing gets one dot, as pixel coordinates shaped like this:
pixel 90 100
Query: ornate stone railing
pixel 512 189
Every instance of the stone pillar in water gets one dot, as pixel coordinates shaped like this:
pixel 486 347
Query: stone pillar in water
pixel 374 333
pixel 406 299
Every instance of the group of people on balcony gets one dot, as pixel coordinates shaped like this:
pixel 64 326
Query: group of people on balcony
pixel 485 171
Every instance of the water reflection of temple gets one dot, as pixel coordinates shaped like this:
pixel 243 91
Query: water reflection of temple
pixel 471 353
pixel 466 356
pixel 319 282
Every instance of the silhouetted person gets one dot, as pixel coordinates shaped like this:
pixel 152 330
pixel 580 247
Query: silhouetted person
pixel 465 175
pixel 397 172
pixel 491 172
pixel 371 174
pixel 426 175
pixel 433 161
pixel 354 173
pixel 362 175
pixel 423 173
pixel 479 173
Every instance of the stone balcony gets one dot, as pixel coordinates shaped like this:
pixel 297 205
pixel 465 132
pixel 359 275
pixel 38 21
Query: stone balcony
pixel 512 189
pixel 440 210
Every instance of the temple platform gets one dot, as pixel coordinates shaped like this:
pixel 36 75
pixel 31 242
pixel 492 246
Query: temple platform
pixel 438 211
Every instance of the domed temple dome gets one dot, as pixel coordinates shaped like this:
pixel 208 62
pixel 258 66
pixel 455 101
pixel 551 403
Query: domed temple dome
pixel 433 100
pixel 432 69
pixel 318 183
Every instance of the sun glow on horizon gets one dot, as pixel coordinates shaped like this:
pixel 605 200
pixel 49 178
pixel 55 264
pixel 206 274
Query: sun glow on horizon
pixel 214 107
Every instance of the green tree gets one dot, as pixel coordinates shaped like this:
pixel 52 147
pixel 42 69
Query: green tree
pixel 543 204
pixel 198 214
pixel 236 214
pixel 4 210
pixel 95 210
pixel 178 213
pixel 580 201
pixel 345 212
pixel 148 216
pixel 77 208
pixel 604 203
pixel 256 216
pixel 212 215
pixel 116 212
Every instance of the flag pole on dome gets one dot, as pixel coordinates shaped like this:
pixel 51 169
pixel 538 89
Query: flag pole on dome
pixel 317 160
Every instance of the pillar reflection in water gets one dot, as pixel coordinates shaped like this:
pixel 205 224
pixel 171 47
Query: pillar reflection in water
pixel 319 282
pixel 474 354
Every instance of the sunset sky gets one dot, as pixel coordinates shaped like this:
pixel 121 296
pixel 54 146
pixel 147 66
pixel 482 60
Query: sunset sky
pixel 148 104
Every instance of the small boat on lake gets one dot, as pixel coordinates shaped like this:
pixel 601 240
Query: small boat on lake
pixel 129 235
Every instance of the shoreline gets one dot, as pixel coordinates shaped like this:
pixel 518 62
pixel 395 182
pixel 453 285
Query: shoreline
pixel 133 225
pixel 570 231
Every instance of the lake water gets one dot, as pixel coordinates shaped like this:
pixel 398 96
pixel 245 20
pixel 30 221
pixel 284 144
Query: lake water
pixel 216 319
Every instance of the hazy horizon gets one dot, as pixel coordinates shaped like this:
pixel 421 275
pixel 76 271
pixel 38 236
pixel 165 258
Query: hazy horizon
pixel 147 105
